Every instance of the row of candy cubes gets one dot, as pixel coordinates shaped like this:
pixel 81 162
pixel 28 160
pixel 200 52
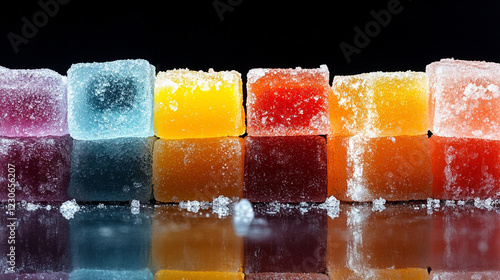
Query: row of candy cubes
pixel 123 99
pixel 394 242
pixel 261 169
pixel 368 113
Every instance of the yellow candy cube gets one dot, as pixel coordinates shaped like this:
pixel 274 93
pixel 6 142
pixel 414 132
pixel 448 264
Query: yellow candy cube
pixel 380 104
pixel 197 104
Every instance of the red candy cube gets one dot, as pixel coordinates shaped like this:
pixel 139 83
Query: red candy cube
pixel 288 101
pixel 465 168
pixel 285 169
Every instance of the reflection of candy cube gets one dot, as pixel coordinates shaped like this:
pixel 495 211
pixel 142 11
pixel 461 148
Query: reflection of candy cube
pixel 465 239
pixel 464 275
pixel 112 169
pixel 184 241
pixel 394 168
pixel 288 101
pixel 111 238
pixel 32 103
pixel 198 275
pixel 368 244
pixel 285 169
pixel 464 98
pixel 287 276
pixel 380 104
pixel 198 169
pixel 465 168
pixel 190 104
pixel 286 240
pixel 111 99
pixel 42 243
pixel 41 169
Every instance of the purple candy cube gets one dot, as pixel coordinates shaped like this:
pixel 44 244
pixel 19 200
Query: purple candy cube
pixel 32 103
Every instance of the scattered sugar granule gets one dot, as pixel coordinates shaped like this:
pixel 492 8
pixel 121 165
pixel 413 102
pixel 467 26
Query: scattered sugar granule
pixel 69 208
pixel 378 205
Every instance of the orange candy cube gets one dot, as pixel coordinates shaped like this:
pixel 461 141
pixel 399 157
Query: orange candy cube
pixel 198 169
pixel 380 104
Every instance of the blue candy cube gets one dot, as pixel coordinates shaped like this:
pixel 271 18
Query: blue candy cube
pixel 111 99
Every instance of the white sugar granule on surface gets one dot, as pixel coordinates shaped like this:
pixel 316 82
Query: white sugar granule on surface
pixel 220 206
pixel 191 206
pixel 135 207
pixel 332 206
pixel 378 205
pixel 69 208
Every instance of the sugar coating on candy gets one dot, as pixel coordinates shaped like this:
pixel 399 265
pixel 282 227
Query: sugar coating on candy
pixel 285 169
pixel 380 104
pixel 464 98
pixel 198 275
pixel 69 208
pixel 32 103
pixel 288 101
pixel 40 167
pixel 365 169
pixel 198 169
pixel 465 168
pixel 197 104
pixel 112 169
pixel 186 241
pixel 111 99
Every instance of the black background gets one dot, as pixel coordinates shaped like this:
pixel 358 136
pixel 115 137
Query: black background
pixel 190 34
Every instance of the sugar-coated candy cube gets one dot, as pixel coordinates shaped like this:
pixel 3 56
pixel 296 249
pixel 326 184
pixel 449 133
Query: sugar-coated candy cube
pixel 97 274
pixel 285 169
pixel 464 98
pixel 198 275
pixel 394 168
pixel 111 99
pixel 380 104
pixel 281 239
pixel 112 169
pixel 365 243
pixel 197 104
pixel 198 169
pixel 287 276
pixel 465 238
pixel 41 241
pixel 284 102
pixel 464 275
pixel 33 103
pixel 465 168
pixel 201 241
pixel 111 238
pixel 38 168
